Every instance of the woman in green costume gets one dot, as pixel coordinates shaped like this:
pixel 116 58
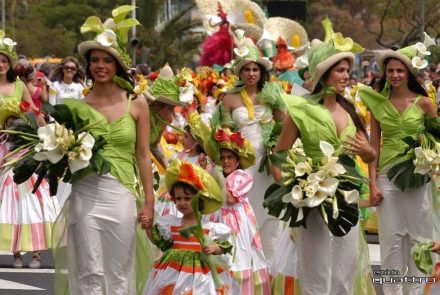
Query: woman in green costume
pixel 101 228
pixel 398 112
pixel 326 263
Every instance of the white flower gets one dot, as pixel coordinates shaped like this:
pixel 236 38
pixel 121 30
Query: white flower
pixel 428 41
pixel 419 63
pixel 107 38
pixel 186 94
pixel 80 159
pixel 240 35
pixel 421 48
pixel 295 197
pixel 302 168
pixel 241 51
pixel 109 24
pixel 350 197
pixel 9 43
pixel 326 148
pixel 328 186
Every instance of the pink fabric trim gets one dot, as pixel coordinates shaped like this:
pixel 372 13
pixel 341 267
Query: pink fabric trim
pixel 239 183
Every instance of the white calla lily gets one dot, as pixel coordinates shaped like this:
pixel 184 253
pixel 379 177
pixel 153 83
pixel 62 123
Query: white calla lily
pixel 316 199
pixel 240 34
pixel 419 63
pixel 328 186
pixel 87 140
pixel 326 148
pixel 55 155
pixel 421 48
pixel 295 197
pixel 8 42
pixel 302 168
pixel 47 135
pixel 186 94
pixel 40 156
pixel 428 41
pixel 350 197
pixel 107 38
pixel 422 168
pixel 109 24
pixel 77 164
pixel 241 51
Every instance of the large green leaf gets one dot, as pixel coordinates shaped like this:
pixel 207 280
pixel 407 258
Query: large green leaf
pixel 278 158
pixel 92 24
pixel 24 169
pixel 121 12
pixel 347 218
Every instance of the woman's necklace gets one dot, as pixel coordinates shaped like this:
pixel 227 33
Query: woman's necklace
pixel 247 103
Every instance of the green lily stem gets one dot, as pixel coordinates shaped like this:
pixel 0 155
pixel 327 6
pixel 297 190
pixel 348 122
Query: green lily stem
pixel 20 133
pixel 13 162
pixel 17 150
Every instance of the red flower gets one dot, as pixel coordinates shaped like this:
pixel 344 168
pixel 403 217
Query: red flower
pixel 237 139
pixel 25 107
pixel 188 175
pixel 221 135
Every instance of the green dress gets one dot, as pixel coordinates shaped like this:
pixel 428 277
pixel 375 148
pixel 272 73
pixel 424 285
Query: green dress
pixel 18 92
pixel 102 214
pixel 394 126
pixel 346 266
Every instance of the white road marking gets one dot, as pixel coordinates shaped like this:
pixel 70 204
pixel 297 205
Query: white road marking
pixel 9 285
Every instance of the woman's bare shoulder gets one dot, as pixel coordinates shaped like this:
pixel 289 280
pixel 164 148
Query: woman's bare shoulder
pixel 231 100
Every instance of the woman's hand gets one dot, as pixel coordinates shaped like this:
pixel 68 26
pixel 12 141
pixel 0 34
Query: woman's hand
pixel 376 195
pixel 359 145
pixel 436 247
pixel 203 160
pixel 145 217
pixel 213 249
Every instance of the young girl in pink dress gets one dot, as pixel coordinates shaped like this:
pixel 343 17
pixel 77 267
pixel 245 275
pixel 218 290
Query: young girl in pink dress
pixel 249 264
pixel 26 219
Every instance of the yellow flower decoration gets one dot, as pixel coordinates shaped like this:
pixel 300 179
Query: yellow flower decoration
pixel 86 91
pixel 341 43
pixel 249 16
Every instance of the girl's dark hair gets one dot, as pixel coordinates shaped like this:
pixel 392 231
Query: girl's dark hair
pixel 343 102
pixel 11 76
pixel 264 76
pixel 119 72
pixel 25 72
pixel 236 156
pixel 413 84
pixel 57 73
pixel 188 189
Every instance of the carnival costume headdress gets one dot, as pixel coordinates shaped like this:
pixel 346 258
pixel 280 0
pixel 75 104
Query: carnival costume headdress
pixel 170 89
pixel 289 30
pixel 412 56
pixel 323 55
pixel 111 36
pixel 197 178
pixel 7 48
pixel 235 142
pixel 247 52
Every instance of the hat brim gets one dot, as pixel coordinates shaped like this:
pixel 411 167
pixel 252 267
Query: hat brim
pixel 86 46
pixel 262 61
pixel 12 60
pixel 383 55
pixel 326 64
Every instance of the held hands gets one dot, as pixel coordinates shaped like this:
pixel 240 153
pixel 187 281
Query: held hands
pixel 359 145
pixel 436 247
pixel 145 217
pixel 212 249
pixel 376 195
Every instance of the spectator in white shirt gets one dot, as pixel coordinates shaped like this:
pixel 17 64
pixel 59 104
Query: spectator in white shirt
pixel 67 77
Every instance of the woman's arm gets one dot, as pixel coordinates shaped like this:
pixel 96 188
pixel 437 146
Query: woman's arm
pixel 279 115
pixel 425 104
pixel 142 113
pixel 289 134
pixel 375 138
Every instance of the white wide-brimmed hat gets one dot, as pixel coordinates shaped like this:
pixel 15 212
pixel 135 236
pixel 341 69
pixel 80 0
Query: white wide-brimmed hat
pixel 7 48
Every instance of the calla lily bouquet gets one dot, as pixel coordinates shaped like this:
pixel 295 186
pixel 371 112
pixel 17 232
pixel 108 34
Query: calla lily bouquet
pixel 63 150
pixel 332 185
pixel 422 158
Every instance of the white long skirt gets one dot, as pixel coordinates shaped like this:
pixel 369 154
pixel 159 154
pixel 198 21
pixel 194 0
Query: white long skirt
pixel 403 219
pixel 326 264
pixel 101 237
